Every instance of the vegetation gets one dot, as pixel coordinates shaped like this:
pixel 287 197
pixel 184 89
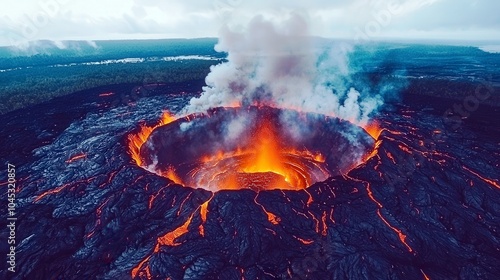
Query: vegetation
pixel 39 76
pixel 32 86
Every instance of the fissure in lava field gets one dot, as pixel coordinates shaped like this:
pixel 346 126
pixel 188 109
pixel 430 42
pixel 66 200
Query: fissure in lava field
pixel 117 194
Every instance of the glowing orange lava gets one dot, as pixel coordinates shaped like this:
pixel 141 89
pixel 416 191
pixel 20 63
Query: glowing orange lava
pixel 266 163
pixel 266 154
pixel 136 140
pixel 203 215
pixel 264 158
pixel 76 157
pixel 401 235
pixel 170 173
pixel 168 239
pixel 374 129
pixel 489 181
pixel 425 275
pixel 273 219
pixel 49 192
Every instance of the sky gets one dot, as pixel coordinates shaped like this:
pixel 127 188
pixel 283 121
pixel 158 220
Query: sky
pixel 57 20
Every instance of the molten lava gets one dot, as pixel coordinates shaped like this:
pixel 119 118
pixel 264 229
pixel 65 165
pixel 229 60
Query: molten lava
pixel 373 128
pixel 197 150
pixel 265 163
pixel 136 140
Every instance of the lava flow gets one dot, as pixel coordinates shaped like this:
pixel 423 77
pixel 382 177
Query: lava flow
pixel 263 164
pixel 238 148
pixel 136 140
pixel 414 206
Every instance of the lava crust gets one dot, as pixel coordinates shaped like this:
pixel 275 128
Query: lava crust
pixel 424 205
pixel 254 147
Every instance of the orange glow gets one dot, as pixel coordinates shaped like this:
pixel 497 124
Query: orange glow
pixel 136 140
pixel 374 152
pixel 182 203
pixel 172 175
pixel 136 269
pixel 389 155
pixel 331 216
pixel 323 220
pixel 316 221
pixel 203 215
pixel 76 157
pixel 234 104
pixel 106 94
pixel 59 189
pixel 374 129
pixel 273 219
pixel 489 181
pixel 268 158
pixel 153 197
pixel 425 276
pixel 204 211
pixel 264 160
pixel 49 192
pixel 405 149
pixel 201 229
pixel 304 241
pixel 309 199
pixel 266 163
pixel 370 195
pixel 169 238
pixel 402 237
pixel 98 216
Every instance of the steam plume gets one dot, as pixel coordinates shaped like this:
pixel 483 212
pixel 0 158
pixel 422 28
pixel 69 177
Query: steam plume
pixel 278 64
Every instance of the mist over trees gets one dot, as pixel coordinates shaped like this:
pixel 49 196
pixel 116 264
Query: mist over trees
pixel 44 70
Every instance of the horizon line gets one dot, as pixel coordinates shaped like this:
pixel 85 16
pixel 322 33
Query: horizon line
pixel 461 42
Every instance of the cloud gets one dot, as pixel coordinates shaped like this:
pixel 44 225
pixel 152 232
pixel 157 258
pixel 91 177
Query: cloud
pixel 114 19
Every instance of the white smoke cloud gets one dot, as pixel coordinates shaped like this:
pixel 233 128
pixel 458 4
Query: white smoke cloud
pixel 185 126
pixel 153 166
pixel 237 126
pixel 278 64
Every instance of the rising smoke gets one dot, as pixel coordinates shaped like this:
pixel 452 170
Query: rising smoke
pixel 280 64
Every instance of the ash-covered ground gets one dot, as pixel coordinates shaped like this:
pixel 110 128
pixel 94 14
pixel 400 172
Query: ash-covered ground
pixel 425 205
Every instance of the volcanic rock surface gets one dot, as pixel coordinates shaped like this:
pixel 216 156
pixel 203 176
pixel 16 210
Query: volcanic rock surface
pixel 425 204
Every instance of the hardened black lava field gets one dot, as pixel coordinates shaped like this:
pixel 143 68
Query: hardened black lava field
pixel 423 204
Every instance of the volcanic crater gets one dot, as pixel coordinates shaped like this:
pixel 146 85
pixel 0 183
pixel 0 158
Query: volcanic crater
pixel 255 147
pixel 418 206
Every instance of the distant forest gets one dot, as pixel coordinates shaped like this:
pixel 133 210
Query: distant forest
pixel 35 79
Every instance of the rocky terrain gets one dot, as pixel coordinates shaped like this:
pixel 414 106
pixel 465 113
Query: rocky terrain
pixel 424 205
